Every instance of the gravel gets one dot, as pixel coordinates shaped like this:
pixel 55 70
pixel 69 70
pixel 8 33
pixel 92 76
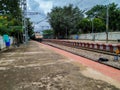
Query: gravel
pixel 90 55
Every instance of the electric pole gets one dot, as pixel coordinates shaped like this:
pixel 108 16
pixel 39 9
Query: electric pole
pixel 107 21
pixel 24 20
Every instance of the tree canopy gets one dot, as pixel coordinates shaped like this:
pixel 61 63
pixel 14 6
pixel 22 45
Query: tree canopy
pixel 71 20
pixel 10 13
pixel 11 19
pixel 99 11
pixel 10 7
pixel 64 20
pixel 48 33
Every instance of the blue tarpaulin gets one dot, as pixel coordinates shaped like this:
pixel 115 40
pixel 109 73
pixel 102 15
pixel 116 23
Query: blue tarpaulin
pixel 6 38
pixel 7 44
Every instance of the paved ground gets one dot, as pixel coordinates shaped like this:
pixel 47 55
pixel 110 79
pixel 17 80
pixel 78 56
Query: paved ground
pixel 39 67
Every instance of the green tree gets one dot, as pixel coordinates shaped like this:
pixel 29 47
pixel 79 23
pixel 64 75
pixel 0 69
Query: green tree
pixel 85 25
pixel 12 25
pixel 4 25
pixel 30 27
pixel 48 33
pixel 114 17
pixel 10 7
pixel 99 11
pixel 64 20
pixel 98 25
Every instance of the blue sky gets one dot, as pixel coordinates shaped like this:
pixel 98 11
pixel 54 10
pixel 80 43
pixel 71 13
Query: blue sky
pixel 45 6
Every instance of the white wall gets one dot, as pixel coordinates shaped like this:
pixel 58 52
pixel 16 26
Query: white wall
pixel 2 43
pixel 98 36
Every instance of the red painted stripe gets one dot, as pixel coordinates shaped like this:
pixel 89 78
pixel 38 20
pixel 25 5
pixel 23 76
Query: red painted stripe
pixel 106 70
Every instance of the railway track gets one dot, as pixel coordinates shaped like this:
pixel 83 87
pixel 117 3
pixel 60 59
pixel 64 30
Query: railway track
pixel 92 54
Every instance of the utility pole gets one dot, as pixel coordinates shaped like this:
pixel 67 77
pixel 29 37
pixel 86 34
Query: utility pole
pixel 66 33
pixel 107 21
pixel 24 20
pixel 93 39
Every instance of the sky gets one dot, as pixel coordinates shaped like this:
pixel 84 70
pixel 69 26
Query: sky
pixel 45 6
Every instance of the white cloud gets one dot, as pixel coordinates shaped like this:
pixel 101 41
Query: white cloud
pixel 45 6
pixel 33 5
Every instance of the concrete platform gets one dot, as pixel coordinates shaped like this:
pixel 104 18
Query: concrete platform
pixel 36 66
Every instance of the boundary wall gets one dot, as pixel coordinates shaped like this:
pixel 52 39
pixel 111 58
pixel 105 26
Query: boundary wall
pixel 98 36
